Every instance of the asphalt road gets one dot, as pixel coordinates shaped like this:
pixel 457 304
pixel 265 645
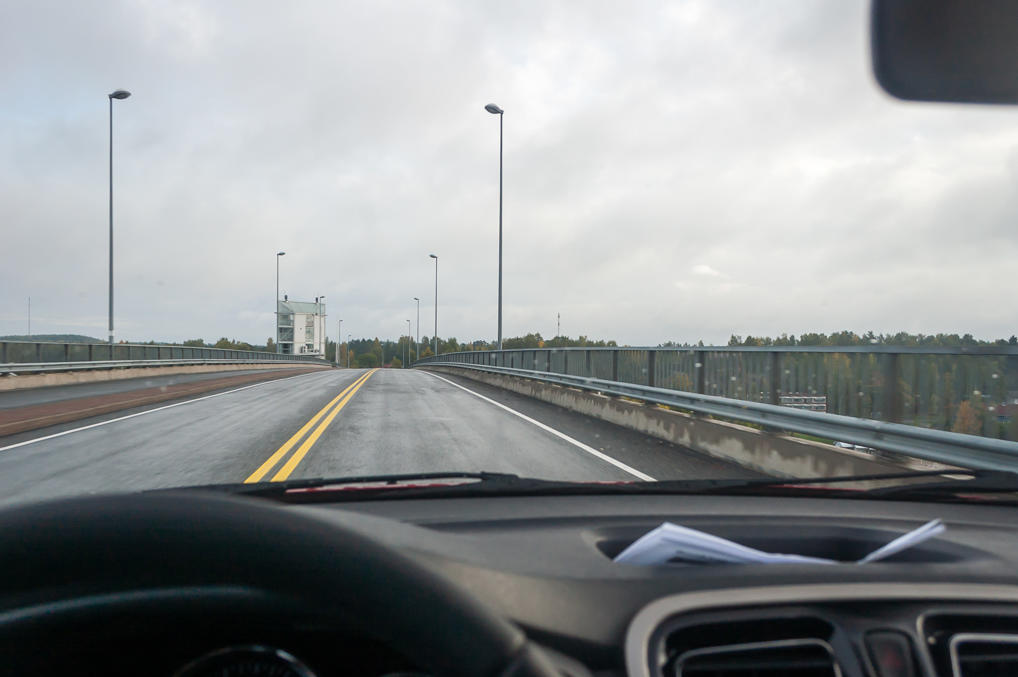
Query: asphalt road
pixel 336 423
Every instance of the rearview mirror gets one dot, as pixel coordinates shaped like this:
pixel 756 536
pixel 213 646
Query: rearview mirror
pixel 946 50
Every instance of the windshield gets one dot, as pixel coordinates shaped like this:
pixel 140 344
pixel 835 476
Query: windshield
pixel 591 242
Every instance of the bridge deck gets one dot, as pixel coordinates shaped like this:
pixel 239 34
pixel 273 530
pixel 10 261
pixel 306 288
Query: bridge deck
pixel 395 421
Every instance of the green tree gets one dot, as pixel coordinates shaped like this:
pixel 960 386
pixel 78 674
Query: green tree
pixel 232 344
pixel 532 340
pixel 367 360
pixel 396 363
pixel 813 339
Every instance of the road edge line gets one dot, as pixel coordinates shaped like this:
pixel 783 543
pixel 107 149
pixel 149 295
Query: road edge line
pixel 572 440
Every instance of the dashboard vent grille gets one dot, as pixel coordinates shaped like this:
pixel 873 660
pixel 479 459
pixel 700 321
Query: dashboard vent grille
pixel 791 657
pixel 984 655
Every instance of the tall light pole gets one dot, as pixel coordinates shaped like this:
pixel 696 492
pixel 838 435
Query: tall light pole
pixel 118 94
pixel 417 347
pixel 278 347
pixel 436 302
pixel 339 339
pixel 409 336
pixel 495 110
pixel 325 334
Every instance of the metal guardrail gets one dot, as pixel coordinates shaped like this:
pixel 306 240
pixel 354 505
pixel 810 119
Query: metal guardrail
pixel 42 356
pixel 47 367
pixel 921 386
pixel 955 449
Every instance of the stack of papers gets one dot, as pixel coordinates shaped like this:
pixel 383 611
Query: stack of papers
pixel 672 542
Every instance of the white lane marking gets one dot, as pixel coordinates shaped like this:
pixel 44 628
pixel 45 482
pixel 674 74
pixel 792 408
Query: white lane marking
pixel 149 411
pixel 571 440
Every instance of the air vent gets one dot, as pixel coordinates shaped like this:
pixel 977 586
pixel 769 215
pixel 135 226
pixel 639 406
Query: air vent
pixel 791 657
pixel 984 655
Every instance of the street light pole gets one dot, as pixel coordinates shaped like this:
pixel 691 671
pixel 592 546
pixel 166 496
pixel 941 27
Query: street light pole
pixel 409 336
pixel 118 94
pixel 417 343
pixel 436 303
pixel 495 110
pixel 278 347
pixel 339 339
pixel 322 316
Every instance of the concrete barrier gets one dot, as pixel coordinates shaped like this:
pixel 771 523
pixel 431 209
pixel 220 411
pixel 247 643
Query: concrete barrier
pixel 770 453
pixel 23 381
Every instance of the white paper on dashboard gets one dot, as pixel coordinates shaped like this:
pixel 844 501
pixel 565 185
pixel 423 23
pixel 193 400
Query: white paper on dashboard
pixel 671 541
pixel 914 537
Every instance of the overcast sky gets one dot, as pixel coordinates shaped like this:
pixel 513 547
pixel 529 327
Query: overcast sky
pixel 673 171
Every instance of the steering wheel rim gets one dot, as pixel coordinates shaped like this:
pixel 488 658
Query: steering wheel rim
pixel 140 541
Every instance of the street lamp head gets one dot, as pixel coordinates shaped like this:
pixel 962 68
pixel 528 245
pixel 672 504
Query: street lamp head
pixel 280 253
pixel 493 109
pixel 120 94
pixel 416 299
pixel 433 256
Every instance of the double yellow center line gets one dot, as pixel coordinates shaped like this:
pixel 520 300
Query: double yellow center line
pixel 326 416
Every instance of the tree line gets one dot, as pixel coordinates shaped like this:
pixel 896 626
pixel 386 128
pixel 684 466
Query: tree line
pixel 850 338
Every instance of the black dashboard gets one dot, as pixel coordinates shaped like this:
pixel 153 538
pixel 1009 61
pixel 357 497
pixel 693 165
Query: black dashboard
pixel 546 564
pixel 948 606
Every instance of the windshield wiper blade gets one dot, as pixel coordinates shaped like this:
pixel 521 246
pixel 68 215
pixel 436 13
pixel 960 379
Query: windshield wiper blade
pixel 477 484
pixel 952 485
pixel 821 483
pixel 984 482
pixel 415 480
pixel 426 485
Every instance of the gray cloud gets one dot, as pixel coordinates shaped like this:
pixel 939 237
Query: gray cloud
pixel 646 144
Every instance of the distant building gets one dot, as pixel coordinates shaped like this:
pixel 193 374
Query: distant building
pixel 1006 412
pixel 810 402
pixel 301 327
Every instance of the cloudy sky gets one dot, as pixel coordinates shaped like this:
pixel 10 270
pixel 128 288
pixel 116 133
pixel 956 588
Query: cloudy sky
pixel 673 171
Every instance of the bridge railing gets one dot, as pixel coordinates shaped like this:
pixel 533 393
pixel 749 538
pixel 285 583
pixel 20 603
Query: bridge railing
pixel 967 389
pixel 30 356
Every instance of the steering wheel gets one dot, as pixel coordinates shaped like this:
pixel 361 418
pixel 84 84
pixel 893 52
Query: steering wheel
pixel 76 553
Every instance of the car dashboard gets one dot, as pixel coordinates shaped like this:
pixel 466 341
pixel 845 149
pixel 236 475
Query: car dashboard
pixel 949 606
